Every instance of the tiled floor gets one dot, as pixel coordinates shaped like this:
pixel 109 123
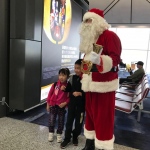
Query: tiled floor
pixel 20 135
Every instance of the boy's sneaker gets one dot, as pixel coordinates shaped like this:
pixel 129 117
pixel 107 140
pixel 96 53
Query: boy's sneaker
pixel 75 141
pixel 51 137
pixel 59 138
pixel 64 143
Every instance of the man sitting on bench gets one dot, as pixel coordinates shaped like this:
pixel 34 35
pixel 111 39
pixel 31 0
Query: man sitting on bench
pixel 136 76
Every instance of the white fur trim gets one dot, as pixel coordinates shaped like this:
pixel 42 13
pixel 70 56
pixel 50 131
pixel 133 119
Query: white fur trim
pixel 89 134
pixel 100 87
pixel 85 82
pixel 99 19
pixel 108 144
pixel 89 15
pixel 107 63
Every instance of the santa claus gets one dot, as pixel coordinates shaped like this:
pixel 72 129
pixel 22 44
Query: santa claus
pixel 102 80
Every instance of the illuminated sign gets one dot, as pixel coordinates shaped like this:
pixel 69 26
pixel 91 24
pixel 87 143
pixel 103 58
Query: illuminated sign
pixel 57 20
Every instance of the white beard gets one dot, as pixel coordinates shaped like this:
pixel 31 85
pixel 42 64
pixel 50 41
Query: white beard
pixel 89 33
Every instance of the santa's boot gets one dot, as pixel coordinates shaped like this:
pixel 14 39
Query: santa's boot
pixel 89 145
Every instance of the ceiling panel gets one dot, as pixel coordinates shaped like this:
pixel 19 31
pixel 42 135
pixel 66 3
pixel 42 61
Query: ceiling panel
pixel 141 14
pixel 124 11
pixel 119 12
pixel 116 11
pixel 101 4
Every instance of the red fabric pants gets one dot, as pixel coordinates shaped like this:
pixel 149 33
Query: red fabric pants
pixel 100 110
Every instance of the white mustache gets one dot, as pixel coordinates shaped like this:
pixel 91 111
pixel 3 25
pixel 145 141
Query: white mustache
pixel 88 36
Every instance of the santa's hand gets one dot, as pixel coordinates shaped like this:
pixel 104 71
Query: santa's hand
pixel 94 58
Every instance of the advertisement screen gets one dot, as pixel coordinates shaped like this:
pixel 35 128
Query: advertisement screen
pixel 60 40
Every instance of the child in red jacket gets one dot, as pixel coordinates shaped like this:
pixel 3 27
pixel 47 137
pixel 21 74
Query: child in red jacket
pixel 56 103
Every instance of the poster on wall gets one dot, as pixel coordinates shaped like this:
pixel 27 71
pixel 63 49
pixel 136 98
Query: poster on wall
pixel 60 40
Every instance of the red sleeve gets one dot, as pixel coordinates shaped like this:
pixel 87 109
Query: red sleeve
pixel 110 56
pixel 50 94
pixel 113 46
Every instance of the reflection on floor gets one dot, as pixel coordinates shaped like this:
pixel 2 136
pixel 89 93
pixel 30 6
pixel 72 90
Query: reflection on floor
pixel 131 133
pixel 21 135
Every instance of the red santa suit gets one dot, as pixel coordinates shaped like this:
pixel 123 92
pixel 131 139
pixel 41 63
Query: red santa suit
pixel 100 86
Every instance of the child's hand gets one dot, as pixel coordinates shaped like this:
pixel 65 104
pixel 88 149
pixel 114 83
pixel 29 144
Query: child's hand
pixel 48 108
pixel 77 94
pixel 63 88
pixel 62 105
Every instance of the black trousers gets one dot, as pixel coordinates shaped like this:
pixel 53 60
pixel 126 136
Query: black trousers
pixel 121 80
pixel 75 113
pixel 54 112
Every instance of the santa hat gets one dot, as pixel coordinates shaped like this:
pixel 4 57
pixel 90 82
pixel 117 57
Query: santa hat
pixel 97 11
pixel 96 14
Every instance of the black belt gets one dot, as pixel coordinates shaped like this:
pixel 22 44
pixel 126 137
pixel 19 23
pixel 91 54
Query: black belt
pixel 94 69
pixel 114 69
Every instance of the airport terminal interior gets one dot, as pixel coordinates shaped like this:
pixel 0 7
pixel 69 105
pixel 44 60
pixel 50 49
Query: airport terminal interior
pixel 37 38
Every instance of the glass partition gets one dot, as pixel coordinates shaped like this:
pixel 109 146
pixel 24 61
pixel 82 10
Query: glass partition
pixel 135 45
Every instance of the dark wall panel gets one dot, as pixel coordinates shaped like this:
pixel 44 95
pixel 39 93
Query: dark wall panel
pixel 17 19
pixel 26 19
pixel 32 74
pixel 17 73
pixel 3 54
pixel 24 87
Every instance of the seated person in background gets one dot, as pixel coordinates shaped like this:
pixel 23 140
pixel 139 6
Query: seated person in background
pixel 136 76
pixel 121 64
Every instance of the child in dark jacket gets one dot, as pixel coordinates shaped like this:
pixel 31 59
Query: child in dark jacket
pixel 56 104
pixel 76 108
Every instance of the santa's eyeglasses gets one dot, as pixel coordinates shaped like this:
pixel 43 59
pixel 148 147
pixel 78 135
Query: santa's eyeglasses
pixel 88 20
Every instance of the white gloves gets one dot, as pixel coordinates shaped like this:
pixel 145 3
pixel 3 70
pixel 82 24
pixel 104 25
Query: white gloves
pixel 94 58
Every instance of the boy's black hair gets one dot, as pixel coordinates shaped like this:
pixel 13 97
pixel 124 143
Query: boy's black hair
pixel 64 71
pixel 78 62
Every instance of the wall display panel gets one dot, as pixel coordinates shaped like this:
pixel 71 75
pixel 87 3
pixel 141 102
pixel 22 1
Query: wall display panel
pixel 60 40
pixel 130 56
pixel 134 38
